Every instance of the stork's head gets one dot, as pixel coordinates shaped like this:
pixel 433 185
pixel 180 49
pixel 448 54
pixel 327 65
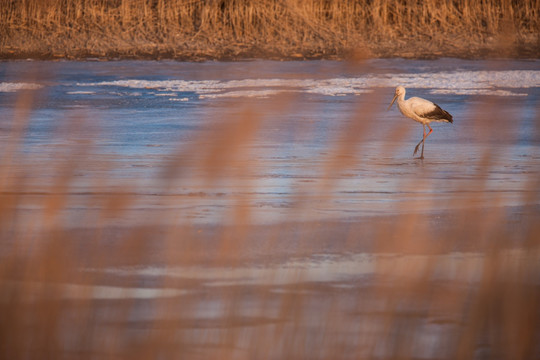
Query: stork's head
pixel 400 91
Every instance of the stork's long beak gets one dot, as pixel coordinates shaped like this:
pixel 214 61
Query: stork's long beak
pixel 392 103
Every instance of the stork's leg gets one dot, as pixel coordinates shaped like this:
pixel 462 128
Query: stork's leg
pixel 421 142
pixel 424 140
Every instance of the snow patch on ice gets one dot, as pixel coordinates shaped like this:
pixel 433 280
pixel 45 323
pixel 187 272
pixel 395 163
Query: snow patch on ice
pixel 13 87
pixel 81 92
pixel 498 83
pixel 488 92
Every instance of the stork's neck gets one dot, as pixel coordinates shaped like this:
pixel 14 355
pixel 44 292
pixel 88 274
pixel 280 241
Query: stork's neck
pixel 401 98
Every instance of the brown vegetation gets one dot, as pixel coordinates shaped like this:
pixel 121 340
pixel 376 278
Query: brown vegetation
pixel 233 29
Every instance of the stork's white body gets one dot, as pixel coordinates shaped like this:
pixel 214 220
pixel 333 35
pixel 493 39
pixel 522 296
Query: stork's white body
pixel 415 108
pixel 422 111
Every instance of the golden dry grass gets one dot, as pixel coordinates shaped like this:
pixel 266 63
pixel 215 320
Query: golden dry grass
pixel 232 29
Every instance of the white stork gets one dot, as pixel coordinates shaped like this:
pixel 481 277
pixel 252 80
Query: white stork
pixel 422 111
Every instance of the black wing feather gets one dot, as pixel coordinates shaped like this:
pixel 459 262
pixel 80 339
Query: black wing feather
pixel 438 114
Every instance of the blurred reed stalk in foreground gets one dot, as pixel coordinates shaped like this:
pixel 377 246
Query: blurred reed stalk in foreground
pixel 57 299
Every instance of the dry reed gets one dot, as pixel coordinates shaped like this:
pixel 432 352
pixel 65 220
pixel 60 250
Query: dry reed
pixel 232 29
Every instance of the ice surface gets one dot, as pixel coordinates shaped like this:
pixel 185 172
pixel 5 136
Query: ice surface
pixel 146 114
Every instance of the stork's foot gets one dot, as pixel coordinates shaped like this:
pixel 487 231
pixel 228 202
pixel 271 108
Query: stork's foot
pixel 416 148
pixel 420 158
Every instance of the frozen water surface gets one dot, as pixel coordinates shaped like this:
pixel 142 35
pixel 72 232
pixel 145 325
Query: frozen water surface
pixel 142 116
pixel 265 143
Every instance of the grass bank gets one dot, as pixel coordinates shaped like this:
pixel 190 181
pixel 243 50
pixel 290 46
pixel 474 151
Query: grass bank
pixel 238 29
